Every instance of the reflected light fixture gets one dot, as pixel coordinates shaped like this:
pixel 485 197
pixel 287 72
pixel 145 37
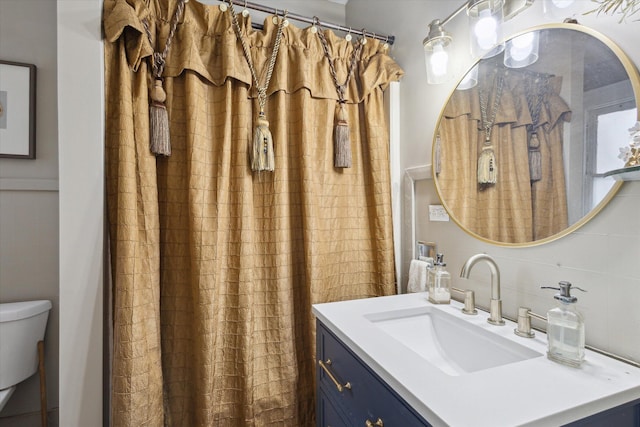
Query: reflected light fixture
pixel 521 51
pixel 469 80
pixel 485 21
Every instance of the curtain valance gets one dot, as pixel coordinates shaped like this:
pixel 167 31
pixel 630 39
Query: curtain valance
pixel 513 108
pixel 209 48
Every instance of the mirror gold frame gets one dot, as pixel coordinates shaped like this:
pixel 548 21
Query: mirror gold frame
pixel 634 79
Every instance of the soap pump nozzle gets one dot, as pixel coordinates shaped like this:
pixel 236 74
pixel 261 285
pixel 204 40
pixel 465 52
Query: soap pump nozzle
pixel 565 292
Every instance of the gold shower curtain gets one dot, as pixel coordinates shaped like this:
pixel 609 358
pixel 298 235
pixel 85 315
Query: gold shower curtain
pixel 215 268
pixel 514 210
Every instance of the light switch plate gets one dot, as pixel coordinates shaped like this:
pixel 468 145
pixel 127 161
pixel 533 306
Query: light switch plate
pixel 438 213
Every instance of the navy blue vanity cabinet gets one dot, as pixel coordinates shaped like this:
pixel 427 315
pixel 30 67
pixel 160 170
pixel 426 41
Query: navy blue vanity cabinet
pixel 627 415
pixel 327 412
pixel 350 394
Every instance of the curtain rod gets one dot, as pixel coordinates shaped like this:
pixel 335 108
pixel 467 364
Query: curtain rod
pixel 273 11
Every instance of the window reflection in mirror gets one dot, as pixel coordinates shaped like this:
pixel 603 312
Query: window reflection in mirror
pixel 611 124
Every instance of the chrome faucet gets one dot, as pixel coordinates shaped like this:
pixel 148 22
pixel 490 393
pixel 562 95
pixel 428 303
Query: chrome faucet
pixel 495 307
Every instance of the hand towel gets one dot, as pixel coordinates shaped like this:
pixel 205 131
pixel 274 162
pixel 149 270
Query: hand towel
pixel 417 276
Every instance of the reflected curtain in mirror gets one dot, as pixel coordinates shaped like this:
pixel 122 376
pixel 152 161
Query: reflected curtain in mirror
pixel 215 269
pixel 528 200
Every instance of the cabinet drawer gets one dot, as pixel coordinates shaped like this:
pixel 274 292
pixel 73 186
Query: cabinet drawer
pixel 360 393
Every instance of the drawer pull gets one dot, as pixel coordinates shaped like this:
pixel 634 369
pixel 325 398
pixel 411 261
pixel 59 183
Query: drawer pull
pixel 378 423
pixel 339 386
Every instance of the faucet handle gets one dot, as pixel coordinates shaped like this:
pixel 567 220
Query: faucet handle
pixel 524 323
pixel 469 301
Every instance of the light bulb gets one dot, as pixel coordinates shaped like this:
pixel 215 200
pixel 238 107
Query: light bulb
pixel 485 30
pixel 521 46
pixel 522 51
pixel 562 4
pixel 523 41
pixel 439 61
pixel 519 54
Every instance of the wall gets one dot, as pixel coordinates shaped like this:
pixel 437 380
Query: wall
pixel 81 112
pixel 601 257
pixel 29 199
pixel 80 135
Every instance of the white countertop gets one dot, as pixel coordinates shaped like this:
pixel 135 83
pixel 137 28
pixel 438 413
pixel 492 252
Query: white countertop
pixel 533 392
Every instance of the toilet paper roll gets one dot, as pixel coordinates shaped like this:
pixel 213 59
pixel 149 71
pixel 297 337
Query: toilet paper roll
pixel 417 276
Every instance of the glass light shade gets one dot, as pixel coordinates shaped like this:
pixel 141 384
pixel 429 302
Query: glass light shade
pixel 437 61
pixel 485 27
pixel 521 51
pixel 558 9
pixel 469 80
pixel 558 4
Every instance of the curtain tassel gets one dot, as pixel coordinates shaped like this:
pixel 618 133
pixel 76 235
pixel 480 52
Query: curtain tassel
pixel 535 158
pixel 487 170
pixel 342 143
pixel 262 157
pixel 159 142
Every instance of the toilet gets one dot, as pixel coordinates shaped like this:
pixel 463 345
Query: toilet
pixel 22 325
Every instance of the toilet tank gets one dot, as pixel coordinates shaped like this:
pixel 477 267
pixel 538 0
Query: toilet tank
pixel 22 325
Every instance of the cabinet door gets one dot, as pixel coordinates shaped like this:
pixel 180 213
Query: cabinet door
pixel 327 414
pixel 356 389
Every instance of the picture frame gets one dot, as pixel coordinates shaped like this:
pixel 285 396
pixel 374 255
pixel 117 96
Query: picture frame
pixel 17 110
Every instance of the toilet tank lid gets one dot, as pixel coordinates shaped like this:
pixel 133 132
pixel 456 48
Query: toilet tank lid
pixel 21 310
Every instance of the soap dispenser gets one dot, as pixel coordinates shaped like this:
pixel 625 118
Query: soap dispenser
pixel 565 330
pixel 439 282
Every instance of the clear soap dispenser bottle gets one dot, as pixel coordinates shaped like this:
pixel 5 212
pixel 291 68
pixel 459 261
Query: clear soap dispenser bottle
pixel 565 329
pixel 439 281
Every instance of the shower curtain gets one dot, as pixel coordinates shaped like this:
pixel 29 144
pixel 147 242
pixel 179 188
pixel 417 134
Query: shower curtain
pixel 215 268
pixel 515 209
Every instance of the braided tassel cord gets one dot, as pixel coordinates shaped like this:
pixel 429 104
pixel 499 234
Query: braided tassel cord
pixel 535 158
pixel 159 142
pixel 341 140
pixel 262 156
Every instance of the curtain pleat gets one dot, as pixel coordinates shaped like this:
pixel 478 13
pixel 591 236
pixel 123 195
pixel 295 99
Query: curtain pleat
pixel 216 267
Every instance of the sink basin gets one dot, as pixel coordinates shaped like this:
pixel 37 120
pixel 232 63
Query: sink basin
pixel 453 345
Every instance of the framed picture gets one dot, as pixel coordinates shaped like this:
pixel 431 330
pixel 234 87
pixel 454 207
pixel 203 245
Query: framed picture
pixel 17 110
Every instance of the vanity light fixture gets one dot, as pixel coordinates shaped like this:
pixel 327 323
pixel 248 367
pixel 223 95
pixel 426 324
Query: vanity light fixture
pixel 485 21
pixel 556 5
pixel 436 55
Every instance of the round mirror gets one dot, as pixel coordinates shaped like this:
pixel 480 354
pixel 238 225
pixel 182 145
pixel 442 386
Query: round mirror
pixel 520 150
